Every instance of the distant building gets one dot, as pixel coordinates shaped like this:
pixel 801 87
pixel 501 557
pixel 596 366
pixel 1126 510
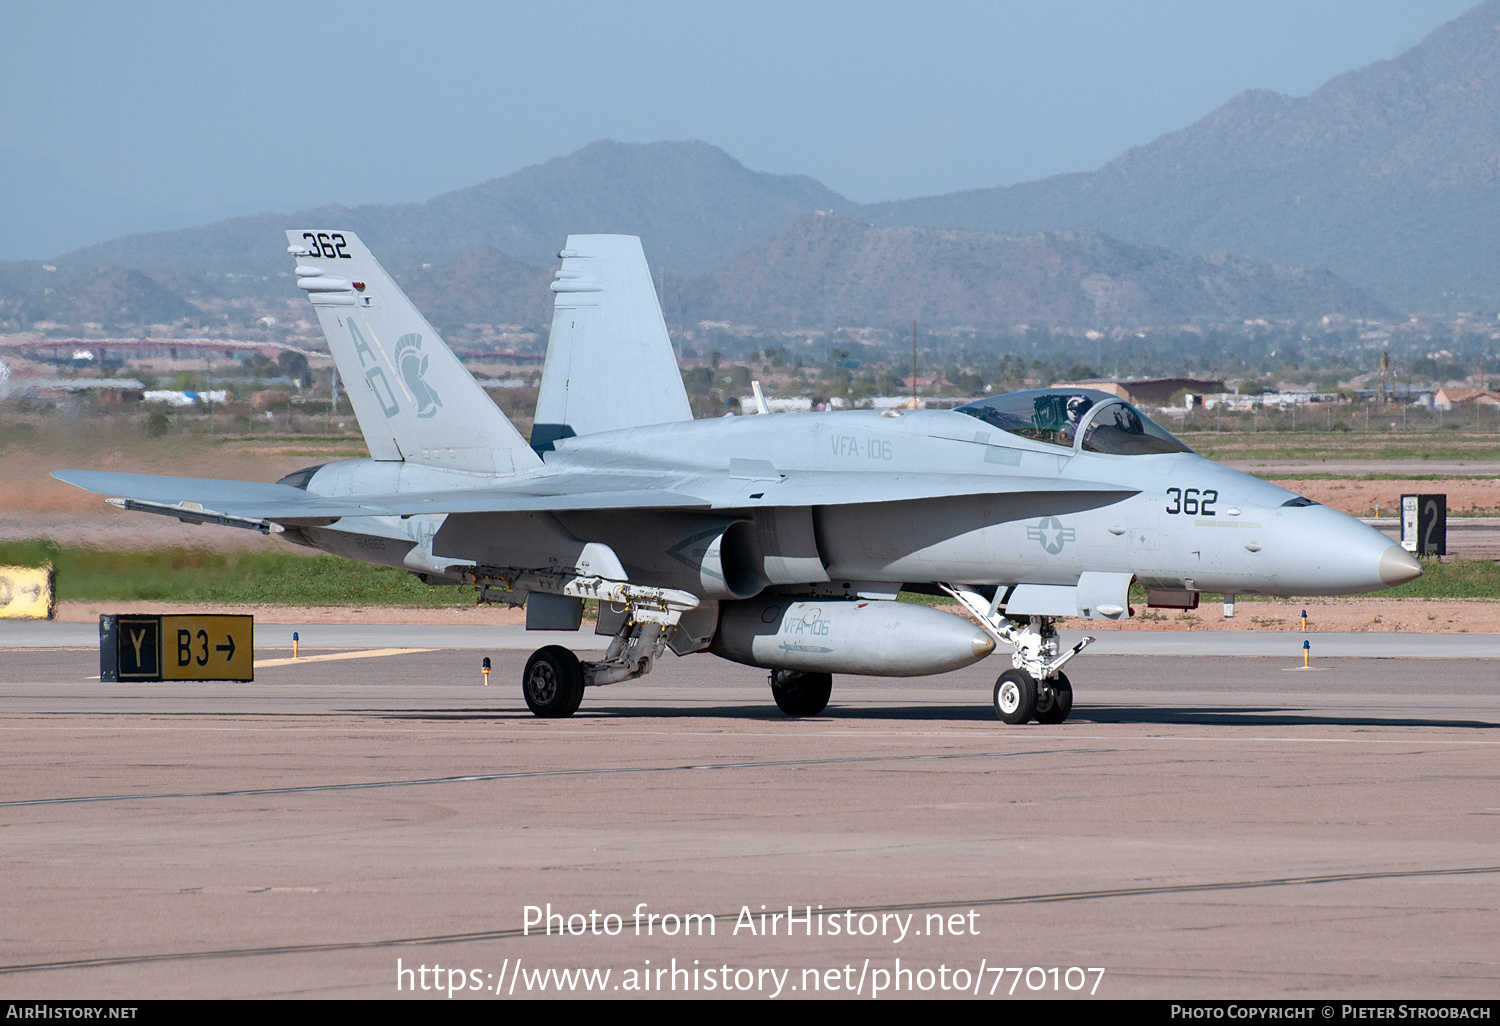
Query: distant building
pixel 1151 392
pixel 1447 398
pixel 173 397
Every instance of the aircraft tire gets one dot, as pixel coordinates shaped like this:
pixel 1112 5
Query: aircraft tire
pixel 801 694
pixel 1056 707
pixel 1015 697
pixel 552 682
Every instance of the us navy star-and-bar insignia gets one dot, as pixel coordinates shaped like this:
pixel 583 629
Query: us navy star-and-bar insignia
pixel 1052 534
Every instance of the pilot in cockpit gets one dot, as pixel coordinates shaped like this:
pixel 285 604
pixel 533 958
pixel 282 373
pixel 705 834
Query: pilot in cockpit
pixel 1078 406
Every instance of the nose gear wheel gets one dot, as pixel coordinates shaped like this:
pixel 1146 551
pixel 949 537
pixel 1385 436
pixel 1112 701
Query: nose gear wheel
pixel 1055 701
pixel 1015 696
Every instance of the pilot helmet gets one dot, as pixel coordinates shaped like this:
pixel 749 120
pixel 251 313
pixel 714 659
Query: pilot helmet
pixel 1078 405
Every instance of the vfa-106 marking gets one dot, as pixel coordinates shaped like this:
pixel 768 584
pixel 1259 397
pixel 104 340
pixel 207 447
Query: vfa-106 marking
pixel 777 541
pixel 161 648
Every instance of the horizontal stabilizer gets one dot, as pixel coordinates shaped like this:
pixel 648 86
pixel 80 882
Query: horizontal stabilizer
pixel 161 489
pixel 251 500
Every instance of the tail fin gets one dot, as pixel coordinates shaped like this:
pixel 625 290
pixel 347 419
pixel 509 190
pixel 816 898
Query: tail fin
pixel 609 361
pixel 413 399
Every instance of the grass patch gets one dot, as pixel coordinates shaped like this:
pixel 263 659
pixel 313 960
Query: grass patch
pixel 919 599
pixel 1458 578
pixel 287 579
pixel 1455 579
pixel 1309 447
pixel 252 578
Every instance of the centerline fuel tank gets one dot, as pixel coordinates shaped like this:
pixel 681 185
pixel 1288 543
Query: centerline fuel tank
pixel 878 638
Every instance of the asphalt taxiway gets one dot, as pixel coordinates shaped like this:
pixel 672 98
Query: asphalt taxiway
pixel 276 638
pixel 1203 826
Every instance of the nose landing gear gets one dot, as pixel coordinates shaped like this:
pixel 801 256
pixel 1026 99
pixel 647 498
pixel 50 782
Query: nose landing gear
pixel 1015 696
pixel 1035 688
pixel 1055 701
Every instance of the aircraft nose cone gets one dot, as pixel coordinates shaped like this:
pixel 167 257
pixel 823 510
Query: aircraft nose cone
pixel 1397 566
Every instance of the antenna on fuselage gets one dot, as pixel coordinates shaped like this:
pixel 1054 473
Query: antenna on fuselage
pixel 760 398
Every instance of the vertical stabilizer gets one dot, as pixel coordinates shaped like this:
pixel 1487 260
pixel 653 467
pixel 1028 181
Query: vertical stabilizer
pixel 609 361
pixel 413 398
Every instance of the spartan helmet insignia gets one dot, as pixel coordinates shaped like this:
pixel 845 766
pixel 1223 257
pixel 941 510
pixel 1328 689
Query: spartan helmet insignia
pixel 412 365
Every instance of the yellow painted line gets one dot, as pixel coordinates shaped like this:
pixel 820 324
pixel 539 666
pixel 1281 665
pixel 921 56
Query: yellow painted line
pixel 93 648
pixel 368 653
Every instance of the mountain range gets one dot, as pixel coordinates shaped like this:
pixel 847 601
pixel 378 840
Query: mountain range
pixel 825 270
pixel 1388 176
pixel 1380 191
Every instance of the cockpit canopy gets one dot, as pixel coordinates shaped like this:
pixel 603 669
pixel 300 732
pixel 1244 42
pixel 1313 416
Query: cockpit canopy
pixel 1055 415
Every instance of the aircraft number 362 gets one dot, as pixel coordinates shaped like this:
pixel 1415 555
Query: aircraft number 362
pixel 1192 502
pixel 322 244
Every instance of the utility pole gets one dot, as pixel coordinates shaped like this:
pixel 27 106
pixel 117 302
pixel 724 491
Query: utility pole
pixel 913 404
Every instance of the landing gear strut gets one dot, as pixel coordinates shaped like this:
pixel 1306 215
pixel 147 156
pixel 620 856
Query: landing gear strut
pixel 1035 688
pixel 555 678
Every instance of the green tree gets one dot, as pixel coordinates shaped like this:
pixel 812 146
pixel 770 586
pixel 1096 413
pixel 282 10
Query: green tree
pixel 157 422
pixel 698 380
pixel 294 366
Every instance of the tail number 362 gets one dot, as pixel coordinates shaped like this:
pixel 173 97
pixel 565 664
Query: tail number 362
pixel 326 245
pixel 1193 502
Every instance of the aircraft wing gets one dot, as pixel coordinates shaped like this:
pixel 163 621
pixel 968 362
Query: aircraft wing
pixel 256 504
pixel 240 503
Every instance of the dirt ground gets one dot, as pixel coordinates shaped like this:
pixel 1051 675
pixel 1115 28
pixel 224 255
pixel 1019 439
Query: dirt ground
pixel 33 504
pixel 1466 497
pixel 1426 616
pixel 28 456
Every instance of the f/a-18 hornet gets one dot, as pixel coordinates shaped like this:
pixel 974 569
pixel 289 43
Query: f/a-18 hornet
pixel 776 541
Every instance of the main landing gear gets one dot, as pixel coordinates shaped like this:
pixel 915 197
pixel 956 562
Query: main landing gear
pixel 552 682
pixel 801 694
pixel 554 678
pixel 1035 688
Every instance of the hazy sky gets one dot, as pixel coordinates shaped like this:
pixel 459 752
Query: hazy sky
pixel 221 109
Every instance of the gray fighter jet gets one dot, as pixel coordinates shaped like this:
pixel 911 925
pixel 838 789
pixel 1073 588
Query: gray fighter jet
pixel 776 541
